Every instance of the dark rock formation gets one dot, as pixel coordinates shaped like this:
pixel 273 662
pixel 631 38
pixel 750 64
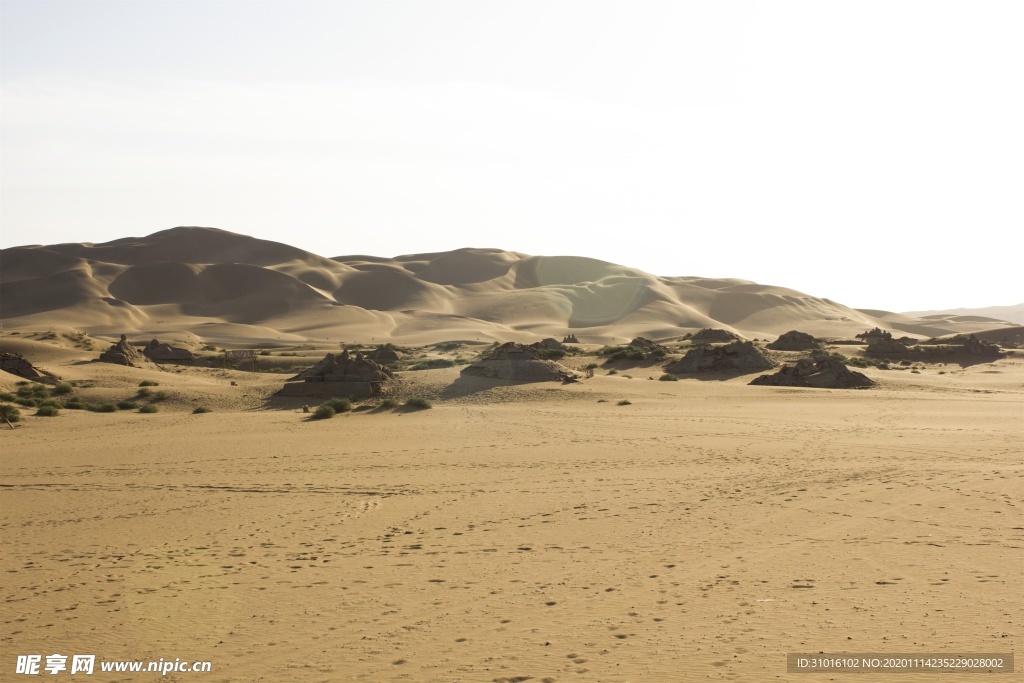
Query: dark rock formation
pixel 737 356
pixel 978 347
pixel 570 339
pixel 648 346
pixel 518 363
pixel 16 364
pixel 165 353
pixel 714 336
pixel 340 374
pixel 795 341
pixel 386 353
pixel 823 373
pixel 551 344
pixel 123 353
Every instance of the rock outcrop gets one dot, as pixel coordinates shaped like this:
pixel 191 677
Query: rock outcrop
pixel 648 346
pixel 17 364
pixel 822 373
pixel 518 363
pixel 124 353
pixel 550 344
pixel 978 347
pixel 570 339
pixel 165 353
pixel 386 353
pixel 714 336
pixel 340 374
pixel 740 356
pixel 795 341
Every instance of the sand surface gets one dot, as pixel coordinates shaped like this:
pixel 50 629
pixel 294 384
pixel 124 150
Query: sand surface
pixel 539 532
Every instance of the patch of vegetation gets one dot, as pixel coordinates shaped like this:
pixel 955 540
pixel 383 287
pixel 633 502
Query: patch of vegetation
pixel 551 354
pixel 323 412
pixel 149 408
pixel 28 402
pixel 149 383
pixel 10 413
pixel 860 362
pixel 62 389
pixel 199 410
pixel 339 405
pixel 75 403
pixel 388 403
pixel 613 371
pixel 448 346
pixel 624 402
pixel 7 396
pixel 433 364
pixel 127 405
pixel 145 391
pixel 101 407
pixel 418 404
pixel 668 377
pixel 161 396
pixel 47 411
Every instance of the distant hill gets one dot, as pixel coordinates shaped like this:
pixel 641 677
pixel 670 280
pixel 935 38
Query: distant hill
pixel 1012 314
pixel 218 285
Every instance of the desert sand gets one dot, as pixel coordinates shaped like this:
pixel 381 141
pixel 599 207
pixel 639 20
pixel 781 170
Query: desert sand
pixel 611 529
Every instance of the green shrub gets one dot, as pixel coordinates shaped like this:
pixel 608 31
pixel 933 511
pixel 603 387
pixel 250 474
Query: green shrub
pixel 613 371
pixel 50 403
pixel 624 402
pixel 161 396
pixel 199 410
pixel 149 408
pixel 340 405
pixel 28 402
pixel 47 411
pixel 551 354
pixel 149 383
pixel 74 403
pixel 102 407
pixel 7 396
pixel 418 404
pixel 40 390
pixel 145 391
pixel 668 377
pixel 11 413
pixel 62 389
pixel 323 412
pixel 127 405
pixel 388 403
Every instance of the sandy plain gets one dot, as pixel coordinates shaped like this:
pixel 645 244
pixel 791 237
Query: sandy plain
pixel 536 532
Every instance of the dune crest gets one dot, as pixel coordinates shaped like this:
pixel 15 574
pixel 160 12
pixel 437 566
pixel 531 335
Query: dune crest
pixel 191 278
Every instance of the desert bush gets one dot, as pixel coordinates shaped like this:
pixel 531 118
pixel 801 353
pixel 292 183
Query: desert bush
pixel 7 396
pixel 161 396
pixel 50 402
pixel 551 354
pixel 418 404
pixel 145 391
pixel 27 402
pixel 388 403
pixel 62 389
pixel 74 403
pixel 127 405
pixel 624 402
pixel 323 412
pixel 340 405
pixel 47 411
pixel 613 371
pixel 149 383
pixel 102 407
pixel 199 410
pixel 668 377
pixel 149 408
pixel 10 413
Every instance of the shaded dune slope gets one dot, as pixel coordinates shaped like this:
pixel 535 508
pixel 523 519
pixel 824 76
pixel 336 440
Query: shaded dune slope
pixel 196 279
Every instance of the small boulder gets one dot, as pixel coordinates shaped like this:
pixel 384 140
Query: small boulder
pixel 738 356
pixel 822 373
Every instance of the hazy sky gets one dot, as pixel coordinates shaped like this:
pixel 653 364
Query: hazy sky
pixel 868 152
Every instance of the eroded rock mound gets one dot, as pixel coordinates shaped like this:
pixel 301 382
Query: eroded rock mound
pixel 648 346
pixel 165 353
pixel 570 339
pixel 17 364
pixel 123 353
pixel 550 344
pixel 715 336
pixel 979 347
pixel 518 363
pixel 386 353
pixel 822 373
pixel 795 341
pixel 340 374
pixel 737 356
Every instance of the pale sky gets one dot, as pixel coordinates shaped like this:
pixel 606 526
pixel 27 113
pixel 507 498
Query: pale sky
pixel 867 152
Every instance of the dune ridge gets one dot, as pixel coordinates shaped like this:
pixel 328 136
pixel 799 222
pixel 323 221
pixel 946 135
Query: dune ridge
pixel 187 278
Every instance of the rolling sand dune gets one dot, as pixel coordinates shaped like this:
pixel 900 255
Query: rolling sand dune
pixel 182 278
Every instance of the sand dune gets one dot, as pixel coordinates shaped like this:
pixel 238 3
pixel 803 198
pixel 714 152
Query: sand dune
pixel 187 278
